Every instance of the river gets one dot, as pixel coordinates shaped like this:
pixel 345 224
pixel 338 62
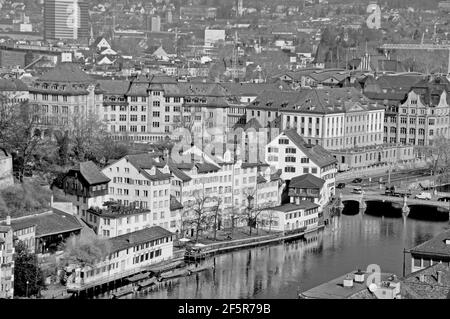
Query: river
pixel 354 240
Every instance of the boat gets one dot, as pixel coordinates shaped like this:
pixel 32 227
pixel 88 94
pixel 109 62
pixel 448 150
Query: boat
pixel 194 269
pixel 148 282
pixel 174 274
pixel 164 268
pixel 123 292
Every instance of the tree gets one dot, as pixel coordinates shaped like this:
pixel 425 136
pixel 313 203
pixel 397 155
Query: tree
pixel 439 152
pixel 252 212
pixel 85 250
pixel 216 215
pixel 20 134
pixel 200 217
pixel 28 277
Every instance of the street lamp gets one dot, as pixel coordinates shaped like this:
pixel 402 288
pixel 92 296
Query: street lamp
pixel 27 288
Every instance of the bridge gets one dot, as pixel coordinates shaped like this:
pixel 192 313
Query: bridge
pixel 404 201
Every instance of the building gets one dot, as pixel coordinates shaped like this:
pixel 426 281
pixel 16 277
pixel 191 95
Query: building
pixel 341 120
pixel 422 116
pixel 354 286
pixel 198 12
pixel 13 91
pixel 85 186
pixel 114 219
pixel 6 169
pixel 290 217
pixel 308 187
pixel 290 153
pixel 431 252
pixel 214 36
pixel 142 182
pixel 230 186
pixel 156 24
pixel 6 262
pixel 66 20
pixel 44 233
pixel 65 97
pixel 130 253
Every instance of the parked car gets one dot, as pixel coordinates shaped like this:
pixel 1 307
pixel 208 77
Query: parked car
pixel 357 180
pixel 340 185
pixel 423 195
pixel 357 190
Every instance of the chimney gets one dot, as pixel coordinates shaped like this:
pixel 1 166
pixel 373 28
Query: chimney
pixel 439 277
pixel 348 282
pixel 8 220
pixel 359 276
pixel 422 278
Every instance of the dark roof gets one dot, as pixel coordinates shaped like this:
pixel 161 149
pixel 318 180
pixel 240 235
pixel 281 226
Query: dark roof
pixel 114 87
pixel 315 153
pixel 66 72
pixel 174 203
pixel 48 223
pixel 206 167
pixel 287 208
pixel 306 181
pixel 91 173
pixel 434 246
pixel 138 237
pixel 179 173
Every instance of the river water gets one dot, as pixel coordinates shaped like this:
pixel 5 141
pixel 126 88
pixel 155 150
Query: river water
pixel 354 240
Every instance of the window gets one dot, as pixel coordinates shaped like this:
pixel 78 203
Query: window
pixel 291 150
pixel 289 169
pixel 143 118
pixel 283 141
pixel 155 114
pixel 122 117
pixel 133 118
pixel 155 124
pixel 156 103
pixel 290 159
pixel 304 160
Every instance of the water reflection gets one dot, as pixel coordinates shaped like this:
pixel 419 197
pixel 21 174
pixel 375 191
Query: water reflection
pixel 279 271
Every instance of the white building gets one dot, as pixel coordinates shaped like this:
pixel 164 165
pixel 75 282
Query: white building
pixel 141 181
pixel 290 153
pixel 129 253
pixel 290 217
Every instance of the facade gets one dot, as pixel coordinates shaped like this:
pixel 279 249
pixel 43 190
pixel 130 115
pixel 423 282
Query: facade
pixel 308 187
pixel 130 253
pixel 64 97
pixel 140 181
pixel 85 186
pixel 422 117
pixel 66 19
pixel 232 182
pixel 294 157
pixel 114 219
pixel 290 217
pixel 6 262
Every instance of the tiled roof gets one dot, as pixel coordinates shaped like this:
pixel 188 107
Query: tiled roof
pixel 247 89
pixel 175 204
pixel 91 173
pixel 138 237
pixel 315 153
pixel 114 87
pixel 179 173
pixel 287 208
pixel 206 167
pixel 66 72
pixel 413 288
pixel 436 245
pixel 48 223
pixel 306 181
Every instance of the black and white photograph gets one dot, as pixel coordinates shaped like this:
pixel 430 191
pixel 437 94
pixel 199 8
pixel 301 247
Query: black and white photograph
pixel 237 152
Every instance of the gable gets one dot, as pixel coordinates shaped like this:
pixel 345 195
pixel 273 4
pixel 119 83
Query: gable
pixel 103 44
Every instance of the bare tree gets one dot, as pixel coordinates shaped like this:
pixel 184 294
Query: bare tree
pixel 252 212
pixel 216 214
pixel 20 134
pixel 200 218
pixel 439 152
